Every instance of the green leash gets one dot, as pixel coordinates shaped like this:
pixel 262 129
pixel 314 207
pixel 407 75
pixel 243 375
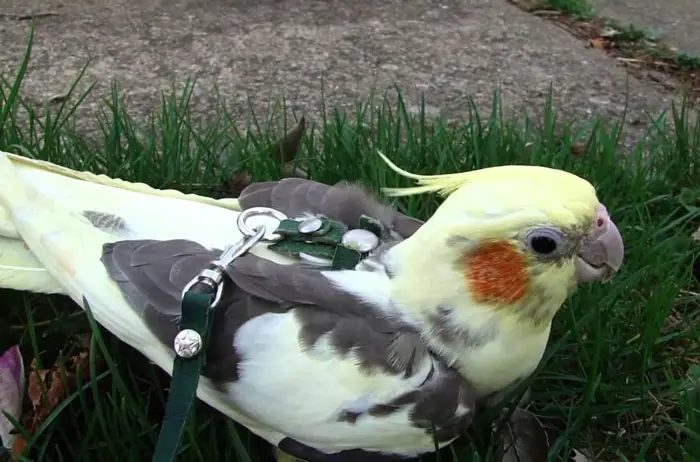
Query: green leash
pixel 320 238
pixel 200 297
pixel 196 309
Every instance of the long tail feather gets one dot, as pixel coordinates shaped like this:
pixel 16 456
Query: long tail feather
pixel 69 247
pixel 20 270
pixel 147 212
pixel 83 188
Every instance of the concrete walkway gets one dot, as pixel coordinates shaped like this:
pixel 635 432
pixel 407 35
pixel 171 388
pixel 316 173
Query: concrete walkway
pixel 679 20
pixel 447 49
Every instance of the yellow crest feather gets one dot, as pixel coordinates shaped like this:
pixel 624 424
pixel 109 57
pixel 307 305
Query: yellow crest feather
pixel 564 196
pixel 443 185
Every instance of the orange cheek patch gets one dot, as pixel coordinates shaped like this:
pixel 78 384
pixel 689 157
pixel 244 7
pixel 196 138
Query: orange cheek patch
pixel 496 273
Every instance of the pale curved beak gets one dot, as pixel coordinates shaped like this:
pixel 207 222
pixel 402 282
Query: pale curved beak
pixel 602 252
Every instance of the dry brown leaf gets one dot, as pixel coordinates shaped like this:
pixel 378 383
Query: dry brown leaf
pixel 46 390
pixel 36 384
pixel 286 149
pixel 578 149
pixel 525 439
pixel 18 447
pixel 237 182
pixel 282 152
pixel 599 43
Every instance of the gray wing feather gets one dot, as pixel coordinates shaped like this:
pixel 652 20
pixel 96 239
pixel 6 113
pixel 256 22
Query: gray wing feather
pixel 152 274
pixel 344 202
pixel 296 284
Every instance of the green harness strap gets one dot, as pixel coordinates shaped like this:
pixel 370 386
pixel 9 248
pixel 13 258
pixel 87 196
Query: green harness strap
pixel 196 308
pixel 325 242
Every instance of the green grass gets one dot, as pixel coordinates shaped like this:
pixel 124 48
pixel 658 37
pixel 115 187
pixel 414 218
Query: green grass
pixel 581 9
pixel 619 377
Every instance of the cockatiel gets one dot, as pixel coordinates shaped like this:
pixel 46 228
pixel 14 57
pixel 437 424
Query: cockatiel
pixel 374 363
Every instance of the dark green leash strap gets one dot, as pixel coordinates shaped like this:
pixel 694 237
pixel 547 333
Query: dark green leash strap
pixel 200 297
pixel 196 309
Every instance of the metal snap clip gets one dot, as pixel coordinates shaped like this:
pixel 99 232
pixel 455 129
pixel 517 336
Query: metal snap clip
pixel 266 216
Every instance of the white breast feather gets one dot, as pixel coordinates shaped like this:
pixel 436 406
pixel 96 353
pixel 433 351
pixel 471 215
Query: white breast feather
pixel 303 393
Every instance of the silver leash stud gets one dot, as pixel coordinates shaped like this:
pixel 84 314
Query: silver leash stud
pixel 188 343
pixel 361 240
pixel 310 225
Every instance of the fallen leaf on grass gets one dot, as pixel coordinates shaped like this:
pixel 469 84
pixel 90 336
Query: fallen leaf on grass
pixel 47 388
pixel 578 149
pixel 525 439
pixel 599 43
pixel 237 182
pixel 12 384
pixel 283 153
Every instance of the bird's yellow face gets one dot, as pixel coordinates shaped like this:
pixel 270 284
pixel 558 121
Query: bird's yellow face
pixel 530 236
pixel 533 269
pixel 523 237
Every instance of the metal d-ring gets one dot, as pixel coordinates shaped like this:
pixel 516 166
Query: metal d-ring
pixel 247 231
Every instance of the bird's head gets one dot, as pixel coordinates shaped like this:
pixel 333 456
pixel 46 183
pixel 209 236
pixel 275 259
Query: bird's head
pixel 515 239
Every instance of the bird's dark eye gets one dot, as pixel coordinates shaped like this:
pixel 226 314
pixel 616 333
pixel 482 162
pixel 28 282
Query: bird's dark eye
pixel 543 244
pixel 544 241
